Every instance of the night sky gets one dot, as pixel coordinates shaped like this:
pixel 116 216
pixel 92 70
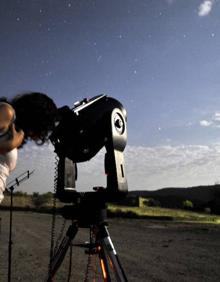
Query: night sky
pixel 160 58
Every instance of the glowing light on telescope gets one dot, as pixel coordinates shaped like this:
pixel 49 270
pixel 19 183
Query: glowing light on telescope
pixel 103 269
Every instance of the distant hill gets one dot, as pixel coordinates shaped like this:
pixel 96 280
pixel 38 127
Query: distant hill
pixel 201 196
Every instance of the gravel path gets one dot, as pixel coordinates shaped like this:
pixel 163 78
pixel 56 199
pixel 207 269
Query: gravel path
pixel 149 251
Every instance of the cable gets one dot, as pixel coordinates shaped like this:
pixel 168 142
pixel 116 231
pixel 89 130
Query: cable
pixel 53 214
pixel 70 263
pixel 91 262
pixel 60 236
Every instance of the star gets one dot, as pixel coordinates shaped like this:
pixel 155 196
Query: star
pixel 49 73
pixel 99 58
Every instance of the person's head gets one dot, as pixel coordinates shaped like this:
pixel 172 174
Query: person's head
pixel 35 115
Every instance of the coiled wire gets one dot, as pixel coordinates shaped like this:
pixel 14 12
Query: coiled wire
pixel 52 240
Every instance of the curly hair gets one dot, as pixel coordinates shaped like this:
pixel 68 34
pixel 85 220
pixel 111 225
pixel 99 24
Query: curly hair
pixel 35 114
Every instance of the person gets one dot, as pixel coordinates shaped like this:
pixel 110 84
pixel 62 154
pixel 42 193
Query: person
pixel 28 116
pixel 10 139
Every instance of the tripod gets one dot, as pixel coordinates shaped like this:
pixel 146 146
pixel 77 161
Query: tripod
pixel 92 217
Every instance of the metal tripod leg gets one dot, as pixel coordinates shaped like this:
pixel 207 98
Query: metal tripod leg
pixel 59 256
pixel 107 249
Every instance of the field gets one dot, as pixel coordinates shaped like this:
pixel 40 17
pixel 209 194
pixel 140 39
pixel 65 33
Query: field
pixel 150 250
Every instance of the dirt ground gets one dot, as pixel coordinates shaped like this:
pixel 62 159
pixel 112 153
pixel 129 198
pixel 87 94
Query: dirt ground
pixel 148 250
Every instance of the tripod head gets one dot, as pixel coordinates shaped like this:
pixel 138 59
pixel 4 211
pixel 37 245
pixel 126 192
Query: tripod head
pixel 80 133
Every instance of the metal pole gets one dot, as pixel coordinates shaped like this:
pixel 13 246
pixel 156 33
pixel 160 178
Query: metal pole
pixel 13 183
pixel 10 235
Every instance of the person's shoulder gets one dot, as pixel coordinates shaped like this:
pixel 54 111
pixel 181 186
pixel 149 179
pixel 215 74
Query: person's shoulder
pixel 5 105
pixel 7 109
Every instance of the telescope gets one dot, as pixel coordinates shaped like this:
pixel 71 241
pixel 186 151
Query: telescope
pixel 79 134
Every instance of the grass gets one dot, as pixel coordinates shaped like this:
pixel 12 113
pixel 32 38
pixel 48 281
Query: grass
pixel 26 202
pixel 163 213
pixel 156 213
